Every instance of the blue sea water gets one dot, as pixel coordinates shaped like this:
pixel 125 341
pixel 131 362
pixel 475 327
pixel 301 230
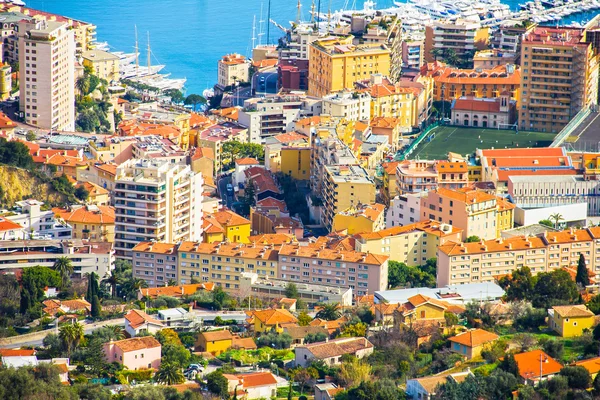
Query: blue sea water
pixel 188 36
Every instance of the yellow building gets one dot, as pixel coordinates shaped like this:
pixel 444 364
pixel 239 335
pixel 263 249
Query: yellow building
pixel 471 343
pixel 212 230
pixel 570 321
pixel 5 81
pixel 420 309
pixel 271 319
pixel 360 219
pixel 236 227
pixel 104 65
pixel 505 216
pixel 389 186
pixel 335 64
pixel 295 161
pixel 96 195
pixel 214 342
pixel 96 223
pixel 223 263
pixel 410 244
pixel 345 186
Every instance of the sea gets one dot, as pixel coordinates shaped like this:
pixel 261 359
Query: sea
pixel 189 36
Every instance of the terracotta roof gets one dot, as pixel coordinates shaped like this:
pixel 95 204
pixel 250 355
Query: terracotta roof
pixel 93 189
pixel 573 311
pixel 368 299
pixel 497 75
pixel 480 105
pixel 102 215
pixel 65 161
pixel 229 218
pixel 504 204
pixel 431 227
pixel 290 137
pixel 338 347
pixel 591 364
pixel 529 364
pixel 247 161
pixel 230 249
pixel 201 152
pixel 474 338
pixel 6 122
pixel 254 379
pixel 211 225
pixel 331 326
pixel 329 254
pixel 372 212
pixel 155 247
pixel 109 168
pixel 243 343
pixel 8 225
pixel 390 168
pixel 287 302
pixel 300 332
pixel 494 245
pixel 466 195
pixel 274 203
pixel 137 318
pixel 274 316
pixel 177 291
pixel 215 336
pixel 272 238
pixel 385 122
pixel 137 343
pixel 17 352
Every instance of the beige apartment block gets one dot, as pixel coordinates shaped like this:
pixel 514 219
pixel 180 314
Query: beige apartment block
pixel 156 200
pixel 423 175
pixel 233 68
pixel 463 36
pixel 156 263
pixel 485 261
pixel 412 244
pixel 104 65
pixel 47 74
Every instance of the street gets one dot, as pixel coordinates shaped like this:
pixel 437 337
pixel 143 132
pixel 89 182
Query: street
pixel 265 82
pixel 222 185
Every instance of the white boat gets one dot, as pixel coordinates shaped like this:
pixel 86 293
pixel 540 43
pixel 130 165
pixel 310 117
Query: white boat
pixel 132 71
pixel 18 3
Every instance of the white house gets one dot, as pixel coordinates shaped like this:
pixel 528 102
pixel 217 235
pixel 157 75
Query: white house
pixel 137 322
pixel 424 388
pixel 256 385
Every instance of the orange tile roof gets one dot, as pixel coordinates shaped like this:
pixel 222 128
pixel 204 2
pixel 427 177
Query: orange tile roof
pixel 466 195
pixel 177 291
pixel 229 113
pixel 247 161
pixel 370 211
pixel 104 216
pixel 309 121
pixel 137 343
pixel 274 316
pixel 17 352
pixel 338 347
pixel 229 218
pixel 65 161
pixel 155 247
pixel 8 225
pixel 272 238
pixel 290 137
pixel 230 249
pixel 591 364
pixel 390 167
pixel 504 204
pixel 497 75
pixel 199 120
pixel 573 311
pixel 201 152
pixel 494 245
pixel 271 202
pixel 243 343
pixel 479 105
pixel 529 364
pixel 385 122
pixel 254 379
pixel 430 227
pixel 330 254
pixel 474 338
pixel 137 318
pixel 211 225
pixel 93 189
pixel 215 336
pixel 110 168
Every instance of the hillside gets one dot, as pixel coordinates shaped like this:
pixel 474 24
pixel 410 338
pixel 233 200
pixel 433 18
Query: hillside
pixel 17 184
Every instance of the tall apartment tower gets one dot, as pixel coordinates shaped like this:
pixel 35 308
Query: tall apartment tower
pixel 559 77
pixel 156 201
pixel 47 72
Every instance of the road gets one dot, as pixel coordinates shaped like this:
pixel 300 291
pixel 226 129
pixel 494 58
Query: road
pixel 265 82
pixel 37 338
pixel 222 185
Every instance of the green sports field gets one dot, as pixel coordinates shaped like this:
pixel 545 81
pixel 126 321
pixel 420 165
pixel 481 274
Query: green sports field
pixel 465 140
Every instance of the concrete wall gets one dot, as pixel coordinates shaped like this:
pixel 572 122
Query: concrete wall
pixel 572 214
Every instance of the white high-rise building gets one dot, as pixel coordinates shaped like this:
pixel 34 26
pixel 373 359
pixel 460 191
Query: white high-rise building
pixel 156 201
pixel 47 74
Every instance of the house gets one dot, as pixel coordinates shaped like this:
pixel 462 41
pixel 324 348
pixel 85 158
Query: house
pixel 138 322
pixel 236 227
pixel 256 385
pixel 299 333
pixel 10 230
pixel 471 343
pixel 135 353
pixel 332 351
pixel 535 365
pixel 54 306
pixel 175 317
pixel 384 312
pixel 214 342
pixel 267 320
pixel 591 364
pixel 421 309
pixel 18 358
pixel 175 291
pixel 330 326
pixel 243 343
pixel 327 391
pixel 570 321
pixel 288 304
pixel 425 388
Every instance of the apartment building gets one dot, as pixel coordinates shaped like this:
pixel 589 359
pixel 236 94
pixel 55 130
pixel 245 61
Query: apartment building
pixel 453 83
pixel 388 32
pixel 38 223
pixel 413 48
pixel 362 272
pixel 89 222
pixel 47 74
pixel 424 175
pixel 359 219
pixel 155 262
pixel 351 106
pixel 475 212
pixel 345 186
pixel 493 58
pixel 104 65
pixel 214 136
pixel 485 261
pixel 327 149
pixel 224 263
pixel 86 256
pixel 335 64
pixel 559 77
pixel 271 116
pixel 412 244
pixel 274 146
pixel 292 68
pixel 462 36
pixel 156 200
pixel 232 68
pixel 404 209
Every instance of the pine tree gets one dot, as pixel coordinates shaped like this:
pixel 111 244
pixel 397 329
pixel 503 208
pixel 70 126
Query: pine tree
pixel 95 306
pixel 582 278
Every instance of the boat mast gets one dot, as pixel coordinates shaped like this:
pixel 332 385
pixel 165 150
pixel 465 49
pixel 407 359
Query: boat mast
pixel 254 33
pixel 269 23
pixel 149 52
pixel 137 53
pixel 298 16
pixel 312 12
pixel 260 25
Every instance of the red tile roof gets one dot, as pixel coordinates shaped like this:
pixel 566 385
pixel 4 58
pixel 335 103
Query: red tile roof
pixel 137 343
pixel 137 318
pixel 529 364
pixel 8 225
pixel 474 338
pixel 476 105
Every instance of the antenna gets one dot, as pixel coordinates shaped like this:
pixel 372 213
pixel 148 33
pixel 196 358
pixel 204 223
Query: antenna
pixel 298 16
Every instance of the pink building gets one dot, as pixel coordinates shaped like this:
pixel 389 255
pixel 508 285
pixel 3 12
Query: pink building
pixel 135 353
pixel 419 176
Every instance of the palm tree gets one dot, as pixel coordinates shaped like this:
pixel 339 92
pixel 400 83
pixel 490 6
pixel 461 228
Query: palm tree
pixel 451 57
pixel 112 279
pixel 556 217
pixel 83 85
pixel 171 282
pixel 116 332
pixel 64 267
pixel 132 286
pixel 71 335
pixel 329 312
pixel 169 374
pixel 436 53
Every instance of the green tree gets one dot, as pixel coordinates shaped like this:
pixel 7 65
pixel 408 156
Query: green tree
pixel 509 364
pixel 71 335
pixel 556 217
pixel 176 96
pixel 400 274
pixel 493 351
pixel 472 239
pixel 546 222
pixel 554 288
pixel 82 84
pixel 95 307
pixel 304 319
pixel 217 384
pixel 451 57
pixel 274 340
pixel 596 385
pixel 436 53
pixel 304 376
pixel 33 282
pixel 92 288
pixel 315 337
pixel 30 136
pixel 291 291
pixel 112 279
pixel 329 312
pixel 64 266
pixel 518 285
pixel 194 100
pixel 82 193
pixel 169 374
pixel 582 278
pixel 577 376
pixel 554 348
pixel 353 372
